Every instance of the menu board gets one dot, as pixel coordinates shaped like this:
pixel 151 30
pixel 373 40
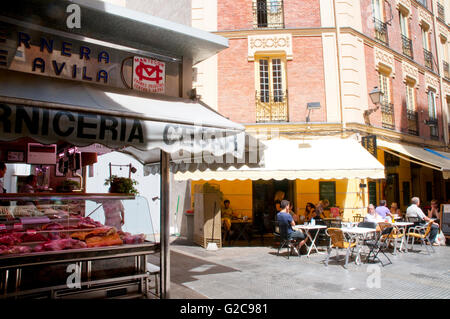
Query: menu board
pixel 445 219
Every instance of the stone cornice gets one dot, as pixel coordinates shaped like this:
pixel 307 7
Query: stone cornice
pixel 324 129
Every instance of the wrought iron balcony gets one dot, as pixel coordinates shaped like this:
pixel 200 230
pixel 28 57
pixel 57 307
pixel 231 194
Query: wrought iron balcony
pixel 440 12
pixel 387 116
pixel 413 127
pixel 446 70
pixel 407 46
pixel 268 14
pixel 381 33
pixel 271 108
pixel 428 56
pixel 434 128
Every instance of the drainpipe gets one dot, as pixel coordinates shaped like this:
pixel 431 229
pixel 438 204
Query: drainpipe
pixel 339 61
pixel 444 109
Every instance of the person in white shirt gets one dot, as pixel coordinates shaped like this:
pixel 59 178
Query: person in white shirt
pixel 415 211
pixel 372 216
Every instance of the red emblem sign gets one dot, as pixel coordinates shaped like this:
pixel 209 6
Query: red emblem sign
pixel 148 75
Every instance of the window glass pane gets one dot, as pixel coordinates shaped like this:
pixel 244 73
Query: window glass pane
pixel 264 80
pixel 377 9
pixel 277 80
pixel 327 190
pixel 431 104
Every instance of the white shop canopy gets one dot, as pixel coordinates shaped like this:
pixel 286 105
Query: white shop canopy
pixel 331 158
pixel 51 111
pixel 434 159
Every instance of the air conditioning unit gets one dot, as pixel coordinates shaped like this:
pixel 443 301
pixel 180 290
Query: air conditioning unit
pixel 41 154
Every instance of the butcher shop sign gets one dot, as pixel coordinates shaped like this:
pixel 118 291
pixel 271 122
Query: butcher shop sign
pixel 148 75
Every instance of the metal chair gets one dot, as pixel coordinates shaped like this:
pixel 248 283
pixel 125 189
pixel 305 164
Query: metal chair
pixel 358 218
pixel 380 244
pixel 285 241
pixel 339 241
pixel 421 232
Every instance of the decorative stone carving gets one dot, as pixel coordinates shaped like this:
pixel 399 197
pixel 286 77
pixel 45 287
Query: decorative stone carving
pixel 384 58
pixel 406 4
pixel 446 89
pixel 410 71
pixel 426 17
pixel 270 42
pixel 431 81
pixel 442 30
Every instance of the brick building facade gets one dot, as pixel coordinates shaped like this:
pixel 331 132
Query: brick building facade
pixel 283 55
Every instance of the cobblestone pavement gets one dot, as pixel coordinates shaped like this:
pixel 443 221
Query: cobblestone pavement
pixel 257 272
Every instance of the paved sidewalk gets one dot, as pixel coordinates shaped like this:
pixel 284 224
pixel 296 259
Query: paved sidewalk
pixel 257 272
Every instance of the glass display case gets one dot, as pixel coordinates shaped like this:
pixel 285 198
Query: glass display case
pixel 75 245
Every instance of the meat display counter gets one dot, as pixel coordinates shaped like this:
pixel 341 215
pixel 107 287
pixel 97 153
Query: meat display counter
pixel 62 246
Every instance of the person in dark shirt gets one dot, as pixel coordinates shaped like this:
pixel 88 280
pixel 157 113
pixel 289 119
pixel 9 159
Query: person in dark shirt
pixel 284 218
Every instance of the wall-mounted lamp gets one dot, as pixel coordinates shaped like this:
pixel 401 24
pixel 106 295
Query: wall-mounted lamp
pixel 311 106
pixel 376 96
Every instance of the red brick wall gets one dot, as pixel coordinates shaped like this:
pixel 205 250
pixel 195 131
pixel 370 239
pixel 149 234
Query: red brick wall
pixel 302 14
pixel 305 78
pixel 236 80
pixel 398 91
pixel 234 15
pixel 238 14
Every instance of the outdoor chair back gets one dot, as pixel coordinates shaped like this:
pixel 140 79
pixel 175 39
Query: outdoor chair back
pixel 338 241
pixel 368 225
pixel 358 218
pixel 285 241
pixel 422 233
pixel 380 244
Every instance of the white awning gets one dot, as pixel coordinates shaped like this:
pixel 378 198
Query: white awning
pixel 51 110
pixel 437 160
pixel 302 159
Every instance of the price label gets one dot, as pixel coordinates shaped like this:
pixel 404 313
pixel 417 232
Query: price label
pixel 2 227
pixel 18 226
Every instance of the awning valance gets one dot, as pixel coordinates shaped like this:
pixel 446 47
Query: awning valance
pixel 51 110
pixel 434 159
pixel 332 158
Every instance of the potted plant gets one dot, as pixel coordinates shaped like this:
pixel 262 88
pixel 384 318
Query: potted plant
pixel 122 185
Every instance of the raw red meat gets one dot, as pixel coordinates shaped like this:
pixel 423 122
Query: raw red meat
pixel 132 239
pixel 9 239
pixel 62 244
pixel 53 226
pixel 29 237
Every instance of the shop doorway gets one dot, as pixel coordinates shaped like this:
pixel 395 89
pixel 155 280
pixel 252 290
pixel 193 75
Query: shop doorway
pixel 392 189
pixel 264 200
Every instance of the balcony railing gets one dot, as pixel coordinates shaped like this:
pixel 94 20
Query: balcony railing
pixel 434 128
pixel 381 33
pixel 441 12
pixel 268 14
pixel 387 116
pixel 413 127
pixel 428 56
pixel 446 70
pixel 407 46
pixel 270 108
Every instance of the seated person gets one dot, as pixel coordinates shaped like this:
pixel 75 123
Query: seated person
pixel 227 215
pixel 321 206
pixel 310 211
pixel 285 219
pixel 382 210
pixel 295 217
pixel 415 211
pixel 372 216
pixel 395 210
pixel 434 211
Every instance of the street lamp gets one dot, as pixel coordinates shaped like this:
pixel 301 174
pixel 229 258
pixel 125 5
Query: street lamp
pixel 376 96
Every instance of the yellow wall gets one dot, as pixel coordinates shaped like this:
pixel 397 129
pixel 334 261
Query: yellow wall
pixel 239 193
pixel 349 196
